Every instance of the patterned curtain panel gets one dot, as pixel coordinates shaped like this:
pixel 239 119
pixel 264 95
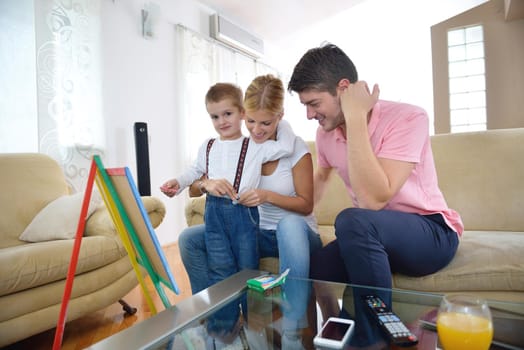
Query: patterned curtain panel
pixel 69 104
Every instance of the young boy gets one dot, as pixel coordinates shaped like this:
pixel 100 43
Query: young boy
pixel 231 228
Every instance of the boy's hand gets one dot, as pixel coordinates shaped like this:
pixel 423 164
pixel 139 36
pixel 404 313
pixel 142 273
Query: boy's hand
pixel 170 188
pixel 220 188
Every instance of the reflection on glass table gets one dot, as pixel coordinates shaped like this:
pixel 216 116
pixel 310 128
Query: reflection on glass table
pixel 289 317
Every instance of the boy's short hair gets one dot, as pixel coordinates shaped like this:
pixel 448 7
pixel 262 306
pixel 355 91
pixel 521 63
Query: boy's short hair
pixel 322 68
pixel 223 91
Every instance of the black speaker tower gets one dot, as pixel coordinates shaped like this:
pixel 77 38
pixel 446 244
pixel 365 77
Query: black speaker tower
pixel 142 159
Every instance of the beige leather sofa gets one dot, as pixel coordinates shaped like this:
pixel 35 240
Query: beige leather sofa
pixel 482 177
pixel 32 275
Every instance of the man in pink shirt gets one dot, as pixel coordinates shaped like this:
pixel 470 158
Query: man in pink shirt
pixel 381 150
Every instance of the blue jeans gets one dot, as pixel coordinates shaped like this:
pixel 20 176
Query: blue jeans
pixel 293 241
pixel 373 244
pixel 194 256
pixel 292 245
pixel 231 233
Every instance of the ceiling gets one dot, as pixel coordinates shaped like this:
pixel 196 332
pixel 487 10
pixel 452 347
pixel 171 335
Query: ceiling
pixel 273 19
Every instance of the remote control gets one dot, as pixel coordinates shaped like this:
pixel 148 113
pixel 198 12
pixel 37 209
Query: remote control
pixel 390 323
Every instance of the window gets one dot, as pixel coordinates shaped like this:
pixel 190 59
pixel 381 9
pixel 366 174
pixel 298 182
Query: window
pixel 467 83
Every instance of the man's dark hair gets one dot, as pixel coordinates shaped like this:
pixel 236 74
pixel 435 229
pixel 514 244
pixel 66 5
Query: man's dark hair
pixel 321 68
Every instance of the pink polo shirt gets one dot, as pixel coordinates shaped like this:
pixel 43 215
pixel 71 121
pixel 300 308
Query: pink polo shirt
pixel 396 131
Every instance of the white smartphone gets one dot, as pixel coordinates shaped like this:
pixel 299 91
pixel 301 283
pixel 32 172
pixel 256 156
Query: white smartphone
pixel 335 333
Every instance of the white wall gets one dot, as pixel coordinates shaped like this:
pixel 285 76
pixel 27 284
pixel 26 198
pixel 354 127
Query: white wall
pixel 388 41
pixel 139 85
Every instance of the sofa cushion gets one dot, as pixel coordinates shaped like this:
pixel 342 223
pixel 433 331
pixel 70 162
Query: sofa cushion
pixel 487 261
pixel 481 174
pixel 101 223
pixel 29 300
pixel 26 175
pixel 58 219
pixel 35 264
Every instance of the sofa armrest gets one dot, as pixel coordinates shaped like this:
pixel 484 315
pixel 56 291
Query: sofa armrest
pixel 195 211
pixel 100 222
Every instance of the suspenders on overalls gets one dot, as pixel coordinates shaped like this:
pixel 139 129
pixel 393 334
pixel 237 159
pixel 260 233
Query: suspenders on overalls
pixel 240 164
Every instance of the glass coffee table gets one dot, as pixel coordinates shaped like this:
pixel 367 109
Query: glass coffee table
pixel 288 317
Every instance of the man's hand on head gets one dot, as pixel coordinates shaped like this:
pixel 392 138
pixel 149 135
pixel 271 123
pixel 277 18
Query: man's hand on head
pixel 357 101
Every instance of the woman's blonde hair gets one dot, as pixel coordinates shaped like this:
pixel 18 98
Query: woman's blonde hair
pixel 266 92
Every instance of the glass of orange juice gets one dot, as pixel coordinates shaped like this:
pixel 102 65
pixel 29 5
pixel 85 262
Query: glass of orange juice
pixel 464 323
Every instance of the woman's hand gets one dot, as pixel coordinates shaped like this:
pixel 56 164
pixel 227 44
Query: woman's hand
pixel 170 188
pixel 253 198
pixel 219 188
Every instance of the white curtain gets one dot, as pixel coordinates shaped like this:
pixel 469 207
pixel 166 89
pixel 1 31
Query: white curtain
pixel 202 62
pixel 18 122
pixel 69 103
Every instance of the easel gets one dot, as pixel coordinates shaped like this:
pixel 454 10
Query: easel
pixel 135 230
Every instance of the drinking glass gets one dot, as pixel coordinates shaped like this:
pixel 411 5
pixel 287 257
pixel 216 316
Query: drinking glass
pixel 464 323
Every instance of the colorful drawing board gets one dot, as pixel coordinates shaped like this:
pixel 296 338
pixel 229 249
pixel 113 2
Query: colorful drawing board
pixel 145 244
pixel 132 223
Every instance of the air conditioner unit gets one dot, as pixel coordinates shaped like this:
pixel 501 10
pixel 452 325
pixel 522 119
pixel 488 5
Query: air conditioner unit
pixel 232 35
